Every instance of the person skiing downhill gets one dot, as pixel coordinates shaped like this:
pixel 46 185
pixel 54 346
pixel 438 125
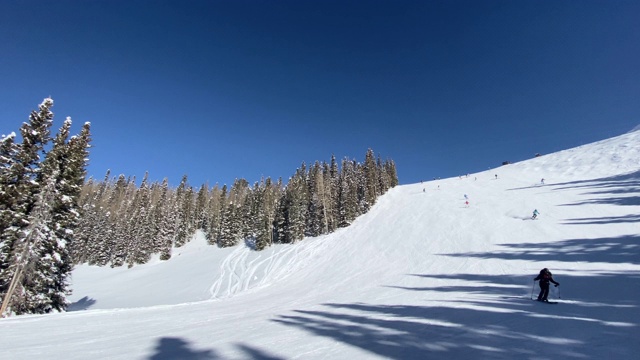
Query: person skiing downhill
pixel 535 214
pixel 545 277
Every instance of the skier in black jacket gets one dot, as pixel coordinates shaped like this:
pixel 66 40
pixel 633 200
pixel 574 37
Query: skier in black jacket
pixel 545 277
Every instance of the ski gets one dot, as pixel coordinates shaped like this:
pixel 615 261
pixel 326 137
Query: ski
pixel 546 302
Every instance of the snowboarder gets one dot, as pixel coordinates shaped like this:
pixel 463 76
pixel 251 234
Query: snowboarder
pixel 545 277
pixel 535 214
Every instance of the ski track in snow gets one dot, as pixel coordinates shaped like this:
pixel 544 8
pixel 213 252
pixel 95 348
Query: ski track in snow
pixel 239 272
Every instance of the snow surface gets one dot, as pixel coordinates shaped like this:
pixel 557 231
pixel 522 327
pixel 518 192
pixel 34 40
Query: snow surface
pixel 420 276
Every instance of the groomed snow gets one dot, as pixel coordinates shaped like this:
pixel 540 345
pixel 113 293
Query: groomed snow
pixel 421 276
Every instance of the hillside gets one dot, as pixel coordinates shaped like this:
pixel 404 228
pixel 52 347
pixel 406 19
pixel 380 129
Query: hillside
pixel 421 276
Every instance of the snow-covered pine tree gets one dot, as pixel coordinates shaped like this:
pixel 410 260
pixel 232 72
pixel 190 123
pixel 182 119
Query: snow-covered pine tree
pixel 25 292
pixel 36 248
pixel 390 167
pixel 142 242
pixel 64 166
pixel 20 189
pixel 118 238
pixel 296 205
pixel 332 181
pixel 186 224
pixel 265 214
pixel 347 194
pixel 217 199
pixel 231 227
pixel 164 218
pixel 371 181
pixel 202 205
pixel 8 155
pixel 182 207
pixel 98 234
pixel 280 223
pixel 384 181
pixel 317 215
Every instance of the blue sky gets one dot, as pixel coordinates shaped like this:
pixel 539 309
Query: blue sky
pixel 220 90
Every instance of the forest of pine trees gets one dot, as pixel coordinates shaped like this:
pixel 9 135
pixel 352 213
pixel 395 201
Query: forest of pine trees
pixel 123 224
pixel 52 217
pixel 40 182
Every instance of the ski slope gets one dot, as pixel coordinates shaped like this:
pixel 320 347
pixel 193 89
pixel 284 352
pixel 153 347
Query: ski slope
pixel 421 276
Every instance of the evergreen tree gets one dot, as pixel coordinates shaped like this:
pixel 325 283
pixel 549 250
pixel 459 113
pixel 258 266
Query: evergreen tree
pixel 181 208
pixel 371 181
pixel 20 189
pixel 332 182
pixel 163 217
pixel 231 226
pixel 98 235
pixel 117 236
pixel 64 166
pixel 296 205
pixel 202 205
pixel 265 214
pixel 280 223
pixel 217 199
pixel 347 194
pixel 186 227
pixel 35 252
pixel 139 227
pixel 8 157
pixel 317 210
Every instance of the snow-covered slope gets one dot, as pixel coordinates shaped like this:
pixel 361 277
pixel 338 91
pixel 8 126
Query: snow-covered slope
pixel 420 276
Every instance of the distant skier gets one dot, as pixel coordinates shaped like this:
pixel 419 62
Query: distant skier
pixel 496 176
pixel 545 277
pixel 466 197
pixel 466 204
pixel 535 214
pixel 542 181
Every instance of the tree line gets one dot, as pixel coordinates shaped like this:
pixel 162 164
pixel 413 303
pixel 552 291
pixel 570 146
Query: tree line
pixel 52 217
pixel 125 224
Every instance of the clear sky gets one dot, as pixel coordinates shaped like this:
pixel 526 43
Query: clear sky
pixel 220 90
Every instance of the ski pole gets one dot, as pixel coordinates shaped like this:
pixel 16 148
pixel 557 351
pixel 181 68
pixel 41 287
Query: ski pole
pixel 558 292
pixel 532 286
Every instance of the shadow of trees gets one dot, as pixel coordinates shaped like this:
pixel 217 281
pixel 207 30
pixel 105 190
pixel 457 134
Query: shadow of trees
pixel 615 186
pixel 169 348
pixel 604 220
pixel 82 304
pixel 174 348
pixel 622 190
pixel 621 249
pixel 503 324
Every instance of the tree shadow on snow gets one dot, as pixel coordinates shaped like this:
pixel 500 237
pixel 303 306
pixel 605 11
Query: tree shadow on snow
pixel 502 325
pixel 82 304
pixel 619 184
pixel 615 250
pixel 173 348
pixel 169 348
pixel 603 220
